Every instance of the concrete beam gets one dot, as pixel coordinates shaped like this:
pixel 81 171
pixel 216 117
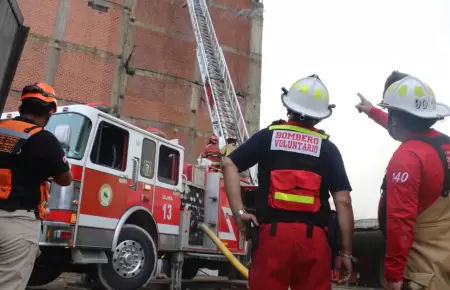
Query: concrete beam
pixel 58 33
pixel 168 32
pixel 187 37
pixel 166 76
pixel 73 47
pixel 173 127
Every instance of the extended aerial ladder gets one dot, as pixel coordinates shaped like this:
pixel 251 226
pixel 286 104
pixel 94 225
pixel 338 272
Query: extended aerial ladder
pixel 223 105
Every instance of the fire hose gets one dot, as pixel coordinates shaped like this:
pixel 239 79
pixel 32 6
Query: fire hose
pixel 235 262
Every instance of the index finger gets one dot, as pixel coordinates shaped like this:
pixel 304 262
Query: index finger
pixel 361 97
pixel 254 220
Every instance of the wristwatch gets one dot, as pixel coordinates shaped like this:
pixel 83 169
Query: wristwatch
pixel 239 213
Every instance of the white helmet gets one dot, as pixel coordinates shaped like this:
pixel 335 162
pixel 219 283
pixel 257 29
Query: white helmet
pixel 415 97
pixel 308 97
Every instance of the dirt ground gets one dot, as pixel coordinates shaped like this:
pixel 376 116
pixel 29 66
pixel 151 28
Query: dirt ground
pixel 69 281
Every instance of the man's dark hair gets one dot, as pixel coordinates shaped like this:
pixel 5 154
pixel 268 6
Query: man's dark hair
pixel 303 119
pixel 394 77
pixel 410 122
pixel 314 76
pixel 35 107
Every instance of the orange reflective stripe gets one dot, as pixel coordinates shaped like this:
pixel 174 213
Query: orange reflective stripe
pixel 43 205
pixel 12 131
pixel 294 198
pixel 19 128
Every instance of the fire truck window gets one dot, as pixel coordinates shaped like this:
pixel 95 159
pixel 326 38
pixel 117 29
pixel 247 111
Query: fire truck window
pixel 110 147
pixel 168 165
pixel 148 158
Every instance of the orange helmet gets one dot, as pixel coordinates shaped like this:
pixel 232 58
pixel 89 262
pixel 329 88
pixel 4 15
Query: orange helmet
pixel 213 139
pixel 41 91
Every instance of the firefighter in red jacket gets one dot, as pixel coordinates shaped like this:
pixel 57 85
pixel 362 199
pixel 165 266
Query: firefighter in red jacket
pixel 212 151
pixel 413 210
pixel 297 168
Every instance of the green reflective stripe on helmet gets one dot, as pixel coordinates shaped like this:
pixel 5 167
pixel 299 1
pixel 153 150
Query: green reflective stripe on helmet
pixel 298 129
pixel 318 93
pixel 304 89
pixel 419 92
pixel 392 87
pixel 403 90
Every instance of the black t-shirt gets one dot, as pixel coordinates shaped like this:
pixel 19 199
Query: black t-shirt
pixel 255 150
pixel 42 156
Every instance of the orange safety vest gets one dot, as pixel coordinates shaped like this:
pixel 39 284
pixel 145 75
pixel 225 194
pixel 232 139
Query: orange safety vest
pixel 13 136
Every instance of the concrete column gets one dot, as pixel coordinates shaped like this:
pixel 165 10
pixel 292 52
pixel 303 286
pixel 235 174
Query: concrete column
pixel 196 92
pixel 125 47
pixel 58 33
pixel 254 79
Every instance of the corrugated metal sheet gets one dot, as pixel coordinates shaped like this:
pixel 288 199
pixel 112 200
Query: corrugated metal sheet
pixel 8 30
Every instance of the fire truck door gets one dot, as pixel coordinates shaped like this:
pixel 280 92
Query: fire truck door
pixel 146 175
pixel 168 189
pixel 107 183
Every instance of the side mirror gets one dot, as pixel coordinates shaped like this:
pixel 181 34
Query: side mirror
pixel 62 133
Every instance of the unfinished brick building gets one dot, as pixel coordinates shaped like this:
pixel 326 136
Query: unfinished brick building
pixel 84 52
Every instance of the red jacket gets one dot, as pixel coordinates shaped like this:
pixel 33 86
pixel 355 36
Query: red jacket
pixel 414 179
pixel 212 148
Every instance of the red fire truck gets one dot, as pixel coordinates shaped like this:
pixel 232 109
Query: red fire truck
pixel 132 201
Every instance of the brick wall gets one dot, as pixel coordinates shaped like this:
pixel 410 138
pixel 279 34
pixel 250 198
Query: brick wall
pixel 82 51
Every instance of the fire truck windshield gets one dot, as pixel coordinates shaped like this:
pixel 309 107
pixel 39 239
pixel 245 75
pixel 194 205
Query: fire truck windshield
pixel 80 129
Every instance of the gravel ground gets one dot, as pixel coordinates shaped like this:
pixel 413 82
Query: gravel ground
pixel 68 281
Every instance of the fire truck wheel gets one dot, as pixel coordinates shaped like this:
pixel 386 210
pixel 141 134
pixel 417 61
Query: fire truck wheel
pixel 133 263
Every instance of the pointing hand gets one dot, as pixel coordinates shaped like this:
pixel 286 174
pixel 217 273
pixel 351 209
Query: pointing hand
pixel 364 105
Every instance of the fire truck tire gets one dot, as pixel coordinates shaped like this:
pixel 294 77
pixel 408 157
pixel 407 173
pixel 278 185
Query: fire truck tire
pixel 133 263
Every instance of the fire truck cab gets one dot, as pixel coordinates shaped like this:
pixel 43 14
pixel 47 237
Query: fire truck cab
pixel 133 204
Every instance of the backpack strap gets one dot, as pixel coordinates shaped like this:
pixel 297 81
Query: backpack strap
pixel 437 144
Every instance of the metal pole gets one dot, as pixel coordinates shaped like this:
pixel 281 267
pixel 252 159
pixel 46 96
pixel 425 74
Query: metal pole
pixel 176 271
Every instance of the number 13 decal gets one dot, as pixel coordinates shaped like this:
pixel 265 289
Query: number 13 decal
pixel 167 211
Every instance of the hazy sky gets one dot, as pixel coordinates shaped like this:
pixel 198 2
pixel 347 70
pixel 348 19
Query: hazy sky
pixel 353 46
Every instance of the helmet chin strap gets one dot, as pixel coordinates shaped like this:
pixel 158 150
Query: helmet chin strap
pixel 390 127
